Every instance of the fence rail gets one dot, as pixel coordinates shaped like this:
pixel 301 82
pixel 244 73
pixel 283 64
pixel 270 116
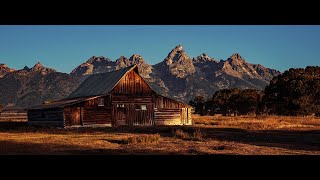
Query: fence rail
pixel 13 117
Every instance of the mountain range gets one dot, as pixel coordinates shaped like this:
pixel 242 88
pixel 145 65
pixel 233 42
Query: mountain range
pixel 178 76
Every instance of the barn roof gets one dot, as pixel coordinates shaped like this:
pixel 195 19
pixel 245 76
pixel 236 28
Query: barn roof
pixel 61 103
pixel 100 84
pixel 13 108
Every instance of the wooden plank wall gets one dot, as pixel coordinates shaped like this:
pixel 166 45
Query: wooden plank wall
pixel 132 83
pixel 166 112
pixel 170 112
pixel 132 91
pixel 120 115
pixel 89 112
pixel 96 115
pixel 140 117
pixel 94 102
pixel 118 99
pixel 114 115
pixel 13 116
pixel 165 116
pixel 184 116
pixel 189 116
pixel 45 117
pixel 130 115
pixel 163 102
pixel 67 116
pixel 72 115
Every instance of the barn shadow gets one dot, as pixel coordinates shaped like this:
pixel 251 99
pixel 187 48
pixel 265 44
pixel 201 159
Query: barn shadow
pixel 294 140
pixel 288 139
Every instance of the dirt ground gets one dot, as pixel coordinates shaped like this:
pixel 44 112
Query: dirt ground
pixel 270 135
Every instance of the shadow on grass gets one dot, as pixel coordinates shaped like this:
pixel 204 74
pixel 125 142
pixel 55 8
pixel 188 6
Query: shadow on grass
pixel 288 139
pixel 116 141
pixel 22 148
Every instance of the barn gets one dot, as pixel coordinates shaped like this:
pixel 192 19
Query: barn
pixel 116 98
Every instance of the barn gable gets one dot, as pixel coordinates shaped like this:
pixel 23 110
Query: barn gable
pixel 132 83
pixel 101 84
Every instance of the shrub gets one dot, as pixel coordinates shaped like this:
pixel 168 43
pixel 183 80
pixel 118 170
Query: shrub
pixel 222 147
pixel 149 138
pixel 180 134
pixel 197 135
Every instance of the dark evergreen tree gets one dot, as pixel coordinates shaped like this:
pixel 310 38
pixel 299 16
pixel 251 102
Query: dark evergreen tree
pixel 295 92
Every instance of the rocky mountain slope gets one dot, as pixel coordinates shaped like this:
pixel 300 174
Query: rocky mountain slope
pixel 4 69
pixel 203 75
pixel 177 76
pixel 32 86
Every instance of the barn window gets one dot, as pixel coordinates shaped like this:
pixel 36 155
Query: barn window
pixel 107 101
pixel 120 105
pixel 143 107
pixel 100 101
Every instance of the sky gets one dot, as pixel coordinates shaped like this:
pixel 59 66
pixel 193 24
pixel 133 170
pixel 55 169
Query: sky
pixel 64 47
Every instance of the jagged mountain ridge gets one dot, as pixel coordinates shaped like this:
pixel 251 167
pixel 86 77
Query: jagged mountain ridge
pixel 4 69
pixel 177 76
pixel 32 86
pixel 183 78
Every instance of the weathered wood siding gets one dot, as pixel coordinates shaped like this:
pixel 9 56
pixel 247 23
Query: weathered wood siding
pixel 13 116
pixel 132 83
pixel 119 115
pixel 171 112
pixel 94 102
pixel 131 99
pixel 165 116
pixel 72 116
pixel 186 116
pixel 189 116
pixel 46 117
pixel 127 97
pixel 140 117
pixel 89 112
pixel 163 102
pixel 131 114
pixel 96 115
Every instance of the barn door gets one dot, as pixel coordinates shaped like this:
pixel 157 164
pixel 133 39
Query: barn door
pixel 75 116
pixel 121 114
pixel 143 114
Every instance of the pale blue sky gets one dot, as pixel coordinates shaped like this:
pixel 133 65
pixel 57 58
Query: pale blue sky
pixel 65 47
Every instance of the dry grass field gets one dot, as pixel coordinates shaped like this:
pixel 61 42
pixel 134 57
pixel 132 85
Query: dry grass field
pixel 270 135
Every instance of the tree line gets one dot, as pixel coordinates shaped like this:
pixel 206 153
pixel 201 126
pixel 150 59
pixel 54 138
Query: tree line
pixel 294 92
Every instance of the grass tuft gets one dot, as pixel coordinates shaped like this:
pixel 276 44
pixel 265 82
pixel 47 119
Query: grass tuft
pixel 197 135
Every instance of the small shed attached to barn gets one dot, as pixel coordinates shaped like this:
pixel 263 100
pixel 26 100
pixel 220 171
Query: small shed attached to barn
pixel 115 98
